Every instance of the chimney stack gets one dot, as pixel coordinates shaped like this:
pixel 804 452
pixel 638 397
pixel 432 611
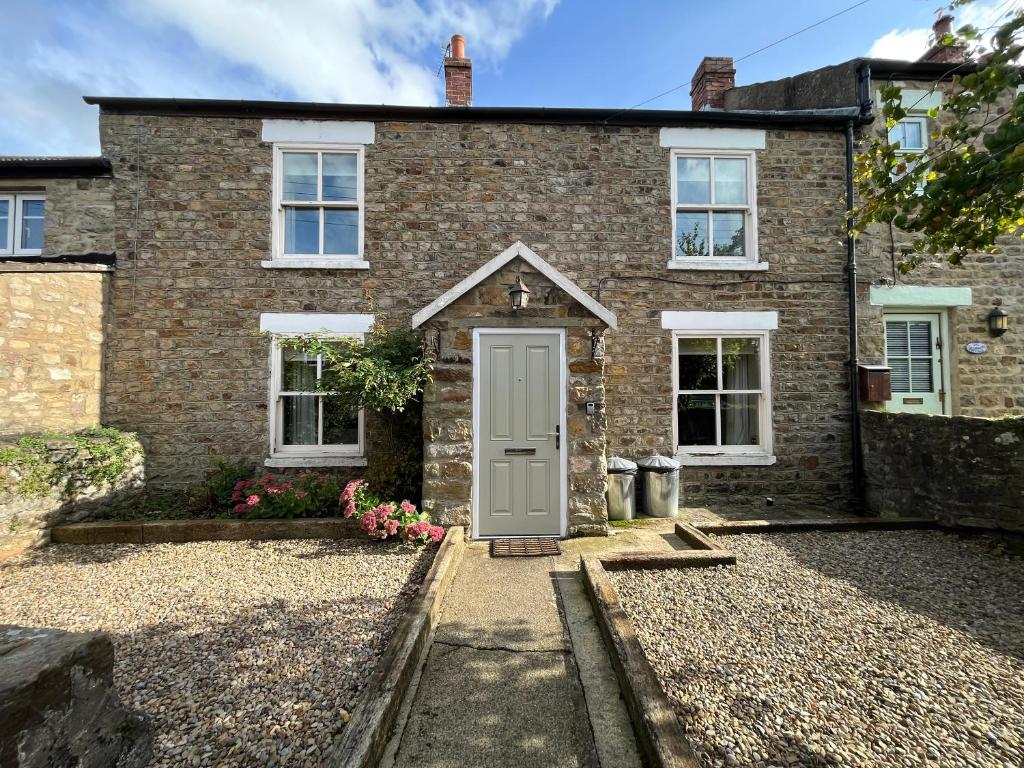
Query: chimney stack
pixel 713 78
pixel 458 75
pixel 939 51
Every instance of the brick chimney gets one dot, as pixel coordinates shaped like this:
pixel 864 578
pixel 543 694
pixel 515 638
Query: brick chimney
pixel 939 51
pixel 713 78
pixel 458 75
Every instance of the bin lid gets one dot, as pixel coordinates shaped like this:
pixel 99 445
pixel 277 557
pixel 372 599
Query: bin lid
pixel 620 466
pixel 659 464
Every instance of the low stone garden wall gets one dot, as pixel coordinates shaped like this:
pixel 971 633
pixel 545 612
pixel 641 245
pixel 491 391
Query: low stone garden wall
pixel 50 479
pixel 960 470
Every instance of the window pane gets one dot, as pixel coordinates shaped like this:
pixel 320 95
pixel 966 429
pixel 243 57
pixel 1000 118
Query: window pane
pixel 341 426
pixel 341 231
pixel 691 235
pixel 693 180
pixel 897 135
pixel 896 343
pixel 739 419
pixel 913 132
pixel 5 224
pixel 900 368
pixel 731 181
pixel 299 417
pixel 32 217
pixel 921 375
pixel 730 234
pixel 698 364
pixel 298 371
pixel 299 176
pixel 920 338
pixel 696 415
pixel 741 367
pixel 302 230
pixel 339 177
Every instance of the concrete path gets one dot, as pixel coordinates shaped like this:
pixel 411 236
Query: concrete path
pixel 517 675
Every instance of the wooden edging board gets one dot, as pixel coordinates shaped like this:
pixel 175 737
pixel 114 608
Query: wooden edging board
pixel 657 729
pixel 731 527
pixel 215 529
pixel 365 738
pixel 655 724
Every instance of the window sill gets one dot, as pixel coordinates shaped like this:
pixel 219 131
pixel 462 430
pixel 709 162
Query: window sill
pixel 720 265
pixel 725 459
pixel 315 461
pixel 315 263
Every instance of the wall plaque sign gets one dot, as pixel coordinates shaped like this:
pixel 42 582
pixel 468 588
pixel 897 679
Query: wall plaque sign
pixel 977 347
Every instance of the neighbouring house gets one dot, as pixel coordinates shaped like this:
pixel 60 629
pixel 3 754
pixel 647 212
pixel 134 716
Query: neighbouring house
pixel 56 257
pixel 687 276
pixel 930 327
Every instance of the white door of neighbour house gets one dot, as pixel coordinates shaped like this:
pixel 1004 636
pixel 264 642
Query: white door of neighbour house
pixel 914 353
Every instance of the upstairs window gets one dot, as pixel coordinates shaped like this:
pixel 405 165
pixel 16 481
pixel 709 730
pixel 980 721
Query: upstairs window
pixel 714 209
pixel 318 203
pixel 911 134
pixel 22 218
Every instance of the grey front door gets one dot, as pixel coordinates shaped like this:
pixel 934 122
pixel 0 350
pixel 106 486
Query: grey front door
pixel 518 443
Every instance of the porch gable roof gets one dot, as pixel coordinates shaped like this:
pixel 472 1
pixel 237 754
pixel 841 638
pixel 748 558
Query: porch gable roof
pixel 516 250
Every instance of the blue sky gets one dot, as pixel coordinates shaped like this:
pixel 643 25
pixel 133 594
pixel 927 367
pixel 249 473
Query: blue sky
pixel 525 52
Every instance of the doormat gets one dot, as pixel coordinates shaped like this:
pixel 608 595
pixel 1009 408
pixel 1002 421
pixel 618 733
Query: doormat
pixel 525 547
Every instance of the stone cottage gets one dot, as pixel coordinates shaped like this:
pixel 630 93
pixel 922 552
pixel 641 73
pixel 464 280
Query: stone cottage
pixel 685 269
pixel 56 258
pixel 687 275
pixel 930 327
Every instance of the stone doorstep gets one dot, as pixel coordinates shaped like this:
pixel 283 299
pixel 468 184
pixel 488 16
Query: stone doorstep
pixel 181 531
pixel 365 739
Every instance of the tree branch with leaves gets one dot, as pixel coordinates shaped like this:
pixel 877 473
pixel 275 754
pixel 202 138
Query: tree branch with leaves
pixel 966 190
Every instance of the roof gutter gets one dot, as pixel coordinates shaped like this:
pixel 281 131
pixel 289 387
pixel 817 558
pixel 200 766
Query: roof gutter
pixel 825 118
pixel 53 167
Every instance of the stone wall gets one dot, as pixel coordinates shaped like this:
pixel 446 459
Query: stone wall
pixel 79 217
pixel 961 470
pixel 990 384
pixel 51 345
pixel 187 369
pixel 51 479
pixel 58 704
pixel 448 404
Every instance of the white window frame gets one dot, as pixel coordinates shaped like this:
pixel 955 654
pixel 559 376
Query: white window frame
pixel 922 120
pixel 751 261
pixel 717 455
pixel 280 259
pixel 11 244
pixel 306 455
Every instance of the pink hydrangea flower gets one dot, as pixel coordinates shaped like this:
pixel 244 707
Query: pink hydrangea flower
pixel 391 526
pixel 436 533
pixel 253 500
pixel 408 508
pixel 369 522
pixel 236 495
pixel 274 490
pixel 240 507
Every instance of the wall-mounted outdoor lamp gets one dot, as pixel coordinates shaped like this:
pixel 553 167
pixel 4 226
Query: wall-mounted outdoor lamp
pixel 998 321
pixel 519 294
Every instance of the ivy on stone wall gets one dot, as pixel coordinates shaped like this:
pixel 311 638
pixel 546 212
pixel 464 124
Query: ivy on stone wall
pixel 65 464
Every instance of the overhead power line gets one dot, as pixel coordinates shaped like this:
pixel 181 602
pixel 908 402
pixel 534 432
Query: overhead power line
pixel 746 56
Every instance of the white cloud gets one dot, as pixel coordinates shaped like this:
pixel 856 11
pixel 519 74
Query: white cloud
pixel 911 44
pixel 908 44
pixel 369 51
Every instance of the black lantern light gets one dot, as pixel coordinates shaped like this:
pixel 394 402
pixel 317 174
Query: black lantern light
pixel 519 294
pixel 998 321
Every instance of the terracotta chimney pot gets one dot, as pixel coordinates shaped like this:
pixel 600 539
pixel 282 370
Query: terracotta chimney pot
pixel 458 75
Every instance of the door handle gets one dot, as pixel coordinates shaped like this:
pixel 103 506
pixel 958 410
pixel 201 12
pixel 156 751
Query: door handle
pixel 558 436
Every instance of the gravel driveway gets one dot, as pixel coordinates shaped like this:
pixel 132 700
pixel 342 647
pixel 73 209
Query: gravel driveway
pixel 243 653
pixel 876 649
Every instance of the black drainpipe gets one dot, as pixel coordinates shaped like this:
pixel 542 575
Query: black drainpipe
pixel 851 278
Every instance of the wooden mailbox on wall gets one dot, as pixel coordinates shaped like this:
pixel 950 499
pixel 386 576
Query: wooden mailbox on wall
pixel 875 383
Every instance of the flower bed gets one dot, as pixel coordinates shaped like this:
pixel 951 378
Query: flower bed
pixel 384 520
